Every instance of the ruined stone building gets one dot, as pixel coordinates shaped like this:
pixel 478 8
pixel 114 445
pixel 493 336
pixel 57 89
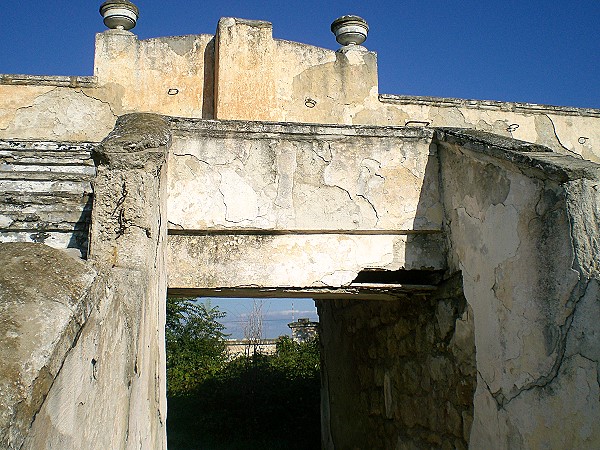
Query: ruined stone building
pixel 451 245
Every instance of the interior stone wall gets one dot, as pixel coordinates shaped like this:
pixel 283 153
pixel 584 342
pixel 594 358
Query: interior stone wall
pixel 398 374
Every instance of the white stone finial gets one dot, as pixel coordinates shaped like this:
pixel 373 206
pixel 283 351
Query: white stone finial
pixel 350 30
pixel 119 14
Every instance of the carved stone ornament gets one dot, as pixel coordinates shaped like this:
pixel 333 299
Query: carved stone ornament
pixel 350 30
pixel 119 14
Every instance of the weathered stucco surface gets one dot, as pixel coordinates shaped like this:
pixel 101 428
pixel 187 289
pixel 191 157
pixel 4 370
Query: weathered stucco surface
pixel 305 260
pixel 44 301
pixel 56 113
pixel 511 361
pixel 243 73
pixel 524 233
pixel 84 364
pixel 288 177
pixel 570 131
pixel 323 202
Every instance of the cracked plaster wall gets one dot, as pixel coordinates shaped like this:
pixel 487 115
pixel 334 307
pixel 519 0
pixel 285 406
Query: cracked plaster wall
pixel 53 113
pixel 569 131
pixel 527 244
pixel 242 73
pixel 326 206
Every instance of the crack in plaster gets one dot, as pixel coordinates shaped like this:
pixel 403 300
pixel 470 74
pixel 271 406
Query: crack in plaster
pixel 577 155
pixel 321 157
pixel 174 224
pixel 545 380
pixel 99 100
pixel 225 202
pixel 195 157
pixel 343 189
pixel 372 206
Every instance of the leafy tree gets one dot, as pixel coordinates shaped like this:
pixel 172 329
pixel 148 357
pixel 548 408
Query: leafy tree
pixel 196 348
pixel 252 402
pixel 298 359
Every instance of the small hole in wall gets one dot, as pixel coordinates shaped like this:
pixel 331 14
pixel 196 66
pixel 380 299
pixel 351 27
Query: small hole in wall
pixel 417 123
pixel 310 103
pixel 582 140
pixel 512 127
pixel 94 369
pixel 173 91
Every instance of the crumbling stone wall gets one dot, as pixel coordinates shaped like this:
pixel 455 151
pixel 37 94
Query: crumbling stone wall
pixel 398 374
pixel 46 193
pixel 93 374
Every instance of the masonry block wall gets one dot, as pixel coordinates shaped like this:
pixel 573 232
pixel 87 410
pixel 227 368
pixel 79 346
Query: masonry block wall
pixel 398 373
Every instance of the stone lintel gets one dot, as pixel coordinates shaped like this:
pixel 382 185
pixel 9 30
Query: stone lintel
pixel 297 261
pixel 398 292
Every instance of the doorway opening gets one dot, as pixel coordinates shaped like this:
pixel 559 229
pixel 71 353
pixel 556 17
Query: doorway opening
pixel 237 378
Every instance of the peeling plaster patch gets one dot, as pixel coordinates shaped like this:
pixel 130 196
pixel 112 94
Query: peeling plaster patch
pixel 568 146
pixel 194 197
pixel 15 98
pixel 339 278
pixel 63 113
pixel 241 202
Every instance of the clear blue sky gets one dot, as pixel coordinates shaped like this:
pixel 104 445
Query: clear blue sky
pixel 531 51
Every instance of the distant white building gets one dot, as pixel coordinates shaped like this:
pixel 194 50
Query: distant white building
pixel 245 347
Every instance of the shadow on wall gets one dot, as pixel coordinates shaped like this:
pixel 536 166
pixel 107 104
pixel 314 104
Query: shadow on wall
pixel 80 237
pixel 411 359
pixel 208 101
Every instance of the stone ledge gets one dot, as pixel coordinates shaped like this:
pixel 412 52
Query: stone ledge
pixel 49 80
pixel 537 160
pixel 220 127
pixel 531 108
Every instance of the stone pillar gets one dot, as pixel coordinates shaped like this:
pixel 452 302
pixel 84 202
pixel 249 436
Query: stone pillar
pixel 127 244
pixel 110 391
pixel 244 73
